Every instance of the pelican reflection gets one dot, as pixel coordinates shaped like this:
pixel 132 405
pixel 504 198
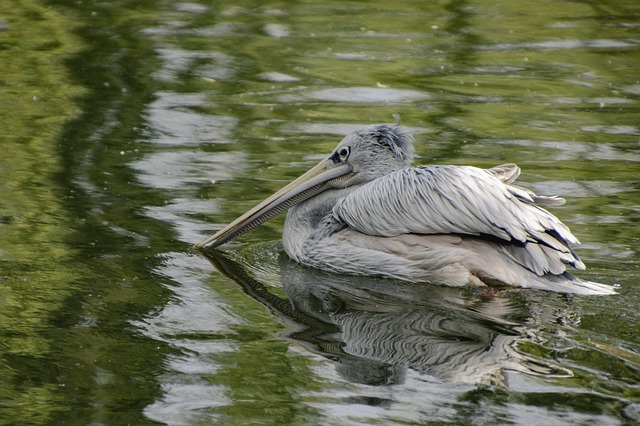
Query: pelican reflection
pixel 377 332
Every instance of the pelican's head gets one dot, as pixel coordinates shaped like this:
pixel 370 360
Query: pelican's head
pixel 362 156
pixel 375 151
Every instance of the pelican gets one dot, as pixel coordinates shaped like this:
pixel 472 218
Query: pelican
pixel 364 211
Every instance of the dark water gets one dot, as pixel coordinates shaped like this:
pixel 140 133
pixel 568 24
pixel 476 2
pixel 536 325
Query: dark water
pixel 131 129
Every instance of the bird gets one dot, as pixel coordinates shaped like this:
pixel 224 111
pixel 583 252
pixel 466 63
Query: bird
pixel 364 210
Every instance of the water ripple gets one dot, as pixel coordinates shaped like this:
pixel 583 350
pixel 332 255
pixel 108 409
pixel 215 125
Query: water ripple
pixel 565 44
pixel 360 95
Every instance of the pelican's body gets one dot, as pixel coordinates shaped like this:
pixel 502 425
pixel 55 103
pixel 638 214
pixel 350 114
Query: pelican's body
pixel 364 211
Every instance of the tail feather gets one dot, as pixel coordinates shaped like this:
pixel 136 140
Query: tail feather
pixel 571 284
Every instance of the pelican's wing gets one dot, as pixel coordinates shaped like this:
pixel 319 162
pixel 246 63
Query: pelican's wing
pixel 458 200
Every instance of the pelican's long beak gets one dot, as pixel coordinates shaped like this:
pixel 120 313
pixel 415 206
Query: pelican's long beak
pixel 316 180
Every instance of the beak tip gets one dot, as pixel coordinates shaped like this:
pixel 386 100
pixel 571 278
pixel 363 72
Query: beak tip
pixel 200 245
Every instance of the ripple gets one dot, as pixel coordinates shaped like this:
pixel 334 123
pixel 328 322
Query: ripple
pixel 336 129
pixel 178 214
pixel 497 69
pixel 611 100
pixel 633 89
pixel 191 8
pixel 175 127
pixel 277 77
pixel 581 189
pixel 567 100
pixel 178 61
pixel 612 130
pixel 222 29
pixel 355 56
pixel 367 95
pixel 277 30
pixel 570 150
pixel 182 402
pixel 563 44
pixel 173 170
pixel 174 123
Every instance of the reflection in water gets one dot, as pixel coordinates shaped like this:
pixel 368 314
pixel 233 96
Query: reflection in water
pixel 377 329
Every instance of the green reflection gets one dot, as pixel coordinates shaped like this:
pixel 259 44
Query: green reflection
pixel 36 100
pixel 67 352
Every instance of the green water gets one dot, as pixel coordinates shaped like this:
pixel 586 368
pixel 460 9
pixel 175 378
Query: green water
pixel 132 129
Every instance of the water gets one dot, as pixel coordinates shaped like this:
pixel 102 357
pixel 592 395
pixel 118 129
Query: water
pixel 131 129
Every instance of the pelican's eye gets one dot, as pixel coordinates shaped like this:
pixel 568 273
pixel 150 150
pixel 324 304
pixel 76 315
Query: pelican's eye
pixel 341 155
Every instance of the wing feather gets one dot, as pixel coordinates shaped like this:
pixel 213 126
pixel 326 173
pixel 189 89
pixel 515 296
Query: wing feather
pixel 460 200
pixel 507 173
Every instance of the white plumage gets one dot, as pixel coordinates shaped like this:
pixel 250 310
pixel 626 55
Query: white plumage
pixel 364 211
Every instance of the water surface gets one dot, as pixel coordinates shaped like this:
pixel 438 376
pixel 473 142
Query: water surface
pixel 132 129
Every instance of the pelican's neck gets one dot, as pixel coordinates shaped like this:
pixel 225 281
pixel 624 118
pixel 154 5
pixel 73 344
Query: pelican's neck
pixel 302 220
